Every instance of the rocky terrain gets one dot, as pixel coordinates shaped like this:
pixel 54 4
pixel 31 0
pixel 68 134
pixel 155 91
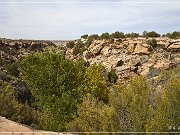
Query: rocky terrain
pixel 9 127
pixel 128 56
pixel 13 50
pixel 132 56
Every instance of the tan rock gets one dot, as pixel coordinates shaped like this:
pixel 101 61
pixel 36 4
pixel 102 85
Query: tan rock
pixel 140 49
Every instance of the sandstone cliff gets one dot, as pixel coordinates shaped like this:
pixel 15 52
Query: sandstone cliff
pixel 132 56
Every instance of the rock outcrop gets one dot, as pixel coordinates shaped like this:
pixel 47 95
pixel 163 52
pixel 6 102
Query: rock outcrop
pixel 132 56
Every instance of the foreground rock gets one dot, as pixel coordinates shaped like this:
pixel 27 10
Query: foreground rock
pixel 9 127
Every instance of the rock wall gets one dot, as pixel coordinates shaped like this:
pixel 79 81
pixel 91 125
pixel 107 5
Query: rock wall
pixel 14 50
pixel 131 57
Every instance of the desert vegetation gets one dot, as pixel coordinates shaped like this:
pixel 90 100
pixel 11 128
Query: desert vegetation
pixel 48 91
pixel 68 96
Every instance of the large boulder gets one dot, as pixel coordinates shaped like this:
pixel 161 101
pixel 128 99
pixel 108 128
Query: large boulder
pixel 141 49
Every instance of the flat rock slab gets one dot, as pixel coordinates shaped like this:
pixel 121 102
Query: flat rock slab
pixel 8 127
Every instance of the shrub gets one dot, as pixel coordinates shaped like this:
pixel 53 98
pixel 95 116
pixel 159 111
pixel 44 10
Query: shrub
pixel 136 100
pixel 78 48
pixel 92 116
pixel 117 35
pixel 132 35
pixel 112 76
pixel 84 36
pixel 105 36
pixel 70 44
pixel 152 42
pixel 13 69
pixel 151 34
pixel 90 39
pixel 166 114
pixel 174 34
pixel 11 109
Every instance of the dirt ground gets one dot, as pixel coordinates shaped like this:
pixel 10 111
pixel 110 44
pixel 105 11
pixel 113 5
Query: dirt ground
pixel 8 127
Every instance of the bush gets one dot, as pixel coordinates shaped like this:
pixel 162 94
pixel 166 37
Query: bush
pixel 117 35
pixel 166 114
pixel 112 76
pixel 84 36
pixel 92 116
pixel 78 48
pixel 105 36
pixel 90 39
pixel 59 84
pixel 175 34
pixel 152 42
pixel 151 34
pixel 132 35
pixel 136 100
pixel 13 69
pixel 11 109
pixel 70 44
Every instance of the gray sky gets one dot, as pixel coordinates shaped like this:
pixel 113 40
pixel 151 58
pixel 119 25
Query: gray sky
pixel 69 19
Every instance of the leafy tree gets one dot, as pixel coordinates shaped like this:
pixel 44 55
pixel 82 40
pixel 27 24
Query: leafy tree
pixel 54 81
pixel 84 36
pixel 59 85
pixel 95 82
pixel 78 48
pixel 12 109
pixel 112 76
pixel 117 34
pixel 132 35
pixel 152 42
pixel 105 36
pixel 92 116
pixel 13 69
pixel 136 99
pixel 174 34
pixel 151 34
pixel 90 39
pixel 166 114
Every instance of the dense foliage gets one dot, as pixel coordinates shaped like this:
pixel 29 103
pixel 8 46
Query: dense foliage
pixel 58 85
pixel 151 34
pixel 68 96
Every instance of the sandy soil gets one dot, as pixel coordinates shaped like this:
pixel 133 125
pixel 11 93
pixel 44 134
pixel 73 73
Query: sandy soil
pixel 8 127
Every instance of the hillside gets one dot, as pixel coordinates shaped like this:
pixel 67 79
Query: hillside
pixel 92 84
pixel 131 56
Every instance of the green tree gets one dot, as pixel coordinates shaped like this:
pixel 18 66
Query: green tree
pixel 136 99
pixel 105 36
pixel 95 82
pixel 79 47
pixel 92 116
pixel 112 76
pixel 166 114
pixel 151 34
pixel 117 34
pixel 54 82
pixel 13 110
pixel 132 35
pixel 84 36
pixel 152 42
pixel 59 84
pixel 174 34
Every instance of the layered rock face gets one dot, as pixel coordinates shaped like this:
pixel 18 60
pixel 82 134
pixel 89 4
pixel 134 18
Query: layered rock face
pixel 131 57
pixel 14 50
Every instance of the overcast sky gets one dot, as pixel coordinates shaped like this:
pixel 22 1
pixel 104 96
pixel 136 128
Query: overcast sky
pixel 69 19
